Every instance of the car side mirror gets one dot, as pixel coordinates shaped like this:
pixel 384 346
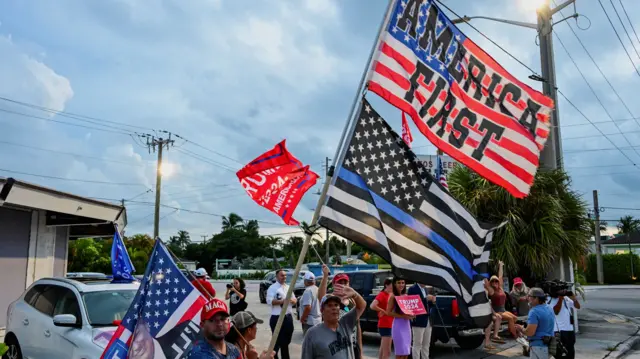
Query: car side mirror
pixel 66 320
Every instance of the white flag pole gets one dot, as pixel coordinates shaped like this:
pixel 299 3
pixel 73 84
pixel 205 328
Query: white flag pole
pixel 347 132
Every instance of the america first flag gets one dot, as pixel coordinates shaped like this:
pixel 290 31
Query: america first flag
pixel 164 316
pixel 459 97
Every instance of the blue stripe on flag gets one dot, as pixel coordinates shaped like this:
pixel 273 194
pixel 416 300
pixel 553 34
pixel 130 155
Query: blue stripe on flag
pixel 411 222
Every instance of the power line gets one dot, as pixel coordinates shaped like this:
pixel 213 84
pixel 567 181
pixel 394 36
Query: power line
pixel 65 123
pixel 70 154
pixel 78 117
pixel 205 160
pixel 210 150
pixel 629 19
pixel 618 36
pixel 624 27
pixel 596 127
pixel 71 179
pixel 594 92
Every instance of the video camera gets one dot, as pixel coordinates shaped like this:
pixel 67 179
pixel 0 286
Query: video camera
pixel 556 288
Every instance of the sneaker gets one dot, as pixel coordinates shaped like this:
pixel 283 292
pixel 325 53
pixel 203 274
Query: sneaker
pixel 523 342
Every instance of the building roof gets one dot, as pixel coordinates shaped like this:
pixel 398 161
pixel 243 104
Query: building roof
pixel 64 209
pixel 630 238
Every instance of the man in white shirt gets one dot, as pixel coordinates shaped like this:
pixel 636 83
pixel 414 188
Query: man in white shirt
pixel 310 315
pixel 563 308
pixel 276 295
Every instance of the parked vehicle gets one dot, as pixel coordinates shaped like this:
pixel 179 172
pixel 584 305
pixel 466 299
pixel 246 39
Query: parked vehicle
pixel 64 318
pixel 94 275
pixel 445 316
pixel 270 278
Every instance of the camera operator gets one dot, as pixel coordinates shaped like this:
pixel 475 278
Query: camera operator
pixel 539 330
pixel 236 295
pixel 562 301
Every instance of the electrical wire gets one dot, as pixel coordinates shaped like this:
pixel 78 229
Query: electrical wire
pixel 630 22
pixel 618 36
pixel 64 122
pixel 71 154
pixel 205 160
pixel 71 179
pixel 78 117
pixel 208 149
pixel 625 28
pixel 595 94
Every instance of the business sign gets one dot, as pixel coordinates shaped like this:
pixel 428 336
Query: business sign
pixel 411 304
pixel 430 163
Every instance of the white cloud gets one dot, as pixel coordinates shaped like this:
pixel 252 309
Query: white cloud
pixel 326 8
pixel 25 78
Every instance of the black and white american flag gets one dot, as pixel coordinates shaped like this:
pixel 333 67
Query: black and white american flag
pixel 385 200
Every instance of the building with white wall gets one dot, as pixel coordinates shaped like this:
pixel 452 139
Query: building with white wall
pixel 36 224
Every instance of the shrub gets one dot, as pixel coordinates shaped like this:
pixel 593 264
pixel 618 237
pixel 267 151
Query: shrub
pixel 255 275
pixel 617 268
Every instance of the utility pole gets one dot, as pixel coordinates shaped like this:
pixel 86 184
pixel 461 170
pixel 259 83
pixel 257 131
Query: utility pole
pixel 551 156
pixel 159 144
pixel 631 256
pixel 596 211
pixel 327 242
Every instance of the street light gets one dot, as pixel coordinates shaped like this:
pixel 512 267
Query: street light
pixel 551 154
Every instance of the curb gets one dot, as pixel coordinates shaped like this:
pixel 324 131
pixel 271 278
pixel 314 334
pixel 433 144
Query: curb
pixel 625 347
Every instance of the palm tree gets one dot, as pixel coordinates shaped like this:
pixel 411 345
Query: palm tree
pixel 234 221
pixel 251 227
pixel 551 222
pixel 628 224
pixel 603 226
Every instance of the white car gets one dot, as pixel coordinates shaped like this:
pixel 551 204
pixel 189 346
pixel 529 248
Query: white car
pixel 63 318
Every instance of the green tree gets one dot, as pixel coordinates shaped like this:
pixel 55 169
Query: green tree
pixel 83 255
pixel 179 243
pixel 234 221
pixel 628 224
pixel 550 222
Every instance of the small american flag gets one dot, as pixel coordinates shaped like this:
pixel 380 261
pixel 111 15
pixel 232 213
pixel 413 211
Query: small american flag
pixel 406 131
pixel 164 314
pixel 440 174
pixel 459 97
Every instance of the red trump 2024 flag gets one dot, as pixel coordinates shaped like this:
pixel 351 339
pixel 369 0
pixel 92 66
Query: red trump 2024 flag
pixel 276 180
pixel 460 98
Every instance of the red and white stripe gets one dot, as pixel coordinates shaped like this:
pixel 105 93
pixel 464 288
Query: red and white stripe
pixel 443 181
pixel 510 162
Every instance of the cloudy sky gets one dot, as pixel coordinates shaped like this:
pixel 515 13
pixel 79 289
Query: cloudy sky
pixel 233 78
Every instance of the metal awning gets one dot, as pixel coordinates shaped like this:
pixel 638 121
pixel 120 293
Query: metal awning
pixel 84 216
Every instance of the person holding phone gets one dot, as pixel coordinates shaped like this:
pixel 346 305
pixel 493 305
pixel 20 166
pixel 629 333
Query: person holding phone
pixel 236 295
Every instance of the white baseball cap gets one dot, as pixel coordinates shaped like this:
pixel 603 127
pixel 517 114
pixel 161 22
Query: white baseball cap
pixel 309 276
pixel 200 272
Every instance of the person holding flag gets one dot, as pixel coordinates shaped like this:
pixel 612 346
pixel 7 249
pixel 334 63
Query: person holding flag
pixel 202 284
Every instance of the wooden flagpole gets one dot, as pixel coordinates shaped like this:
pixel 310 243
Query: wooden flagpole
pixel 347 132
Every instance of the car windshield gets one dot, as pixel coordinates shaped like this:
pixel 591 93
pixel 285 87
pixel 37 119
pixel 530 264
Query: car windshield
pixel 106 306
pixel 290 276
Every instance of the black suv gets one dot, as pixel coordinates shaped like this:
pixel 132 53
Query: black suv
pixel 270 278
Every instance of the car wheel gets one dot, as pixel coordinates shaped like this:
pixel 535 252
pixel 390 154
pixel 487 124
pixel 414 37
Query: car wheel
pixel 14 351
pixel 469 342
pixel 263 297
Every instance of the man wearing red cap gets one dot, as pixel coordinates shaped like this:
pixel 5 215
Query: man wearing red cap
pixel 215 325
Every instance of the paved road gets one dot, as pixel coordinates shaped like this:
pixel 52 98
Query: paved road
pixel 371 341
pixel 620 301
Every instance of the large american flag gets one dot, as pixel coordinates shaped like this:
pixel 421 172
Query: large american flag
pixel 460 98
pixel 163 318
pixel 385 199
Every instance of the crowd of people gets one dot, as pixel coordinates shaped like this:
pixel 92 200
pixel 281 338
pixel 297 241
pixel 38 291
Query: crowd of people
pixel 549 326
pixel 330 319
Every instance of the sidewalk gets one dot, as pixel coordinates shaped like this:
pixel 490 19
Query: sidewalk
pixel 602 334
pixel 602 287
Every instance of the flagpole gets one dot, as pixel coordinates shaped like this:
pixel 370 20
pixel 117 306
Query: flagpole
pixel 349 127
